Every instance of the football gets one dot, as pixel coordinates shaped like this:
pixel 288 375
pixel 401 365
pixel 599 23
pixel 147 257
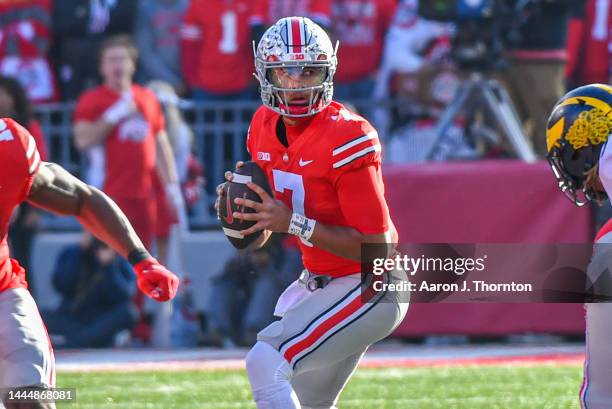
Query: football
pixel 250 172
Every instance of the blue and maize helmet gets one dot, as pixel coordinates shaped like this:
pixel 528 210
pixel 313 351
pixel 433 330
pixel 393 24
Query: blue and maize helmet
pixel 578 128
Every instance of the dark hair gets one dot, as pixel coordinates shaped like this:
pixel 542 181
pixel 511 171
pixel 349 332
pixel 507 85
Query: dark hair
pixel 23 107
pixel 119 40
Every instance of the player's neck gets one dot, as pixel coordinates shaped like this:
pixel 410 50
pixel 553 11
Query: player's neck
pixel 297 121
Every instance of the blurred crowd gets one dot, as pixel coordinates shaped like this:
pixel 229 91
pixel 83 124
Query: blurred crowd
pixel 97 52
pixel 202 50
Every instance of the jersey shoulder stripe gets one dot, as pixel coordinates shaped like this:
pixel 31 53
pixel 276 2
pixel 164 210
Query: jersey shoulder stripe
pixel 355 141
pixel 25 144
pixel 356 148
pixel 34 163
pixel 357 155
pixel 31 147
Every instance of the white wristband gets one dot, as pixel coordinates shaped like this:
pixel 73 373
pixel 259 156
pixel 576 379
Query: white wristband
pixel 301 226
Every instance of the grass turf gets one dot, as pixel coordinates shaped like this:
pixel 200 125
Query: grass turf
pixel 456 387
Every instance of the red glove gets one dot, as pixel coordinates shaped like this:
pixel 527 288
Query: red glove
pixel 155 280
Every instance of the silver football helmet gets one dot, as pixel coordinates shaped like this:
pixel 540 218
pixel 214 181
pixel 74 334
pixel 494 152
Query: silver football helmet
pixel 295 63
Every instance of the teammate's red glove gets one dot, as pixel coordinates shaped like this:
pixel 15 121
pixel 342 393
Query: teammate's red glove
pixel 155 280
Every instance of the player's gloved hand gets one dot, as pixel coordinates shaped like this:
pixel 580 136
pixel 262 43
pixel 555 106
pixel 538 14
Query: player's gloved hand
pixel 220 189
pixel 155 280
pixel 120 110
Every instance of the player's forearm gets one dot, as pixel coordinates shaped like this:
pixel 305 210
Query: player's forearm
pixel 56 190
pixel 347 242
pixel 341 241
pixel 105 220
pixel 88 134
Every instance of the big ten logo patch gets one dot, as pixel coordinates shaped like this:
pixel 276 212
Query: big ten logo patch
pixel 134 129
pixel 265 156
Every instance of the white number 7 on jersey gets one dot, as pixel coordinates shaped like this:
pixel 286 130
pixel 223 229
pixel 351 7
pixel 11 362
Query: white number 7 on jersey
pixel 295 183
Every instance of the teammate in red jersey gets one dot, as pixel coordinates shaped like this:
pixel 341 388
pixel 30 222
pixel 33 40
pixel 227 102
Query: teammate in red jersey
pixel 323 163
pixel 26 355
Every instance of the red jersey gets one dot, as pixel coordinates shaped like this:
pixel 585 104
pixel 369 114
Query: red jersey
pixel 360 26
pixel 20 161
pixel 217 55
pixel 330 172
pixel 590 45
pixel 131 145
pixel 269 12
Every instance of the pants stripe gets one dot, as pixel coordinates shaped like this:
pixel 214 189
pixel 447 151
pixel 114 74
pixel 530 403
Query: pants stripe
pixel 349 312
pixel 323 328
pixel 340 301
pixel 335 332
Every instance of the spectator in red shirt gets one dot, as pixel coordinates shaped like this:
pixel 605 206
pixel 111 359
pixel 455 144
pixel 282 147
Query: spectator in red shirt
pixel 589 45
pixel 216 52
pixel 360 26
pixel 268 12
pixel 14 103
pixel 127 120
pixel 25 38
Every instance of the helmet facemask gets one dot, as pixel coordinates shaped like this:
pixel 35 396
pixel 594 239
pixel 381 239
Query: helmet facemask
pixel 574 169
pixel 299 90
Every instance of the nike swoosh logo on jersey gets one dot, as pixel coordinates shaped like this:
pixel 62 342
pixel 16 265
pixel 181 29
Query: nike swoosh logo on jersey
pixel 305 162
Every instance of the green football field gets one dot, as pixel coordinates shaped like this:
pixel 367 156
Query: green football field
pixel 470 387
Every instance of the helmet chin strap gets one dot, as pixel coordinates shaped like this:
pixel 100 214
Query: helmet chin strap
pixel 592 185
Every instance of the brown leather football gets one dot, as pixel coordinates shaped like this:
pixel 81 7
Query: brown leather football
pixel 250 172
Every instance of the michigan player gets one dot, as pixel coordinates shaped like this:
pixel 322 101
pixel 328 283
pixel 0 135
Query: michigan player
pixel 26 355
pixel 324 165
pixel 581 158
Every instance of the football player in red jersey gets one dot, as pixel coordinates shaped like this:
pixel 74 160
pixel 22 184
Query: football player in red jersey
pixel 324 166
pixel 26 355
